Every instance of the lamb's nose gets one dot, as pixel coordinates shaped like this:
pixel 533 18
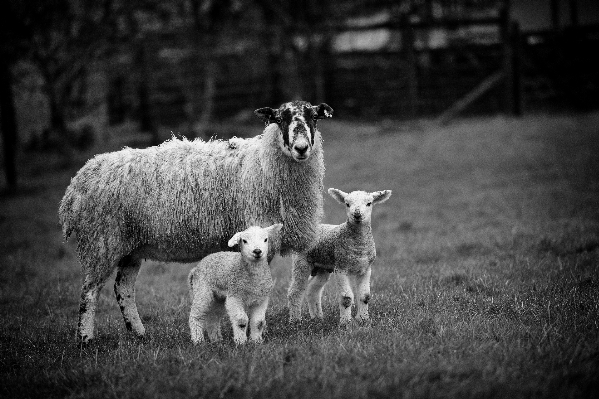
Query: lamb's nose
pixel 257 252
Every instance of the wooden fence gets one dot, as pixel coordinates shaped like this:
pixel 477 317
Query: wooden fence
pixel 477 66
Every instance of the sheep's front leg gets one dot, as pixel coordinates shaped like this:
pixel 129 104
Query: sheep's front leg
pixel 238 317
pixel 363 288
pixel 346 297
pixel 314 293
pixel 124 289
pixel 299 279
pixel 258 321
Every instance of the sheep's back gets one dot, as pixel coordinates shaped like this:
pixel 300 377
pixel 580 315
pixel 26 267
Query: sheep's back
pixel 166 201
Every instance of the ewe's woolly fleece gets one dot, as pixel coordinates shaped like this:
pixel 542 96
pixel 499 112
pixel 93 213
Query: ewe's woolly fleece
pixel 184 199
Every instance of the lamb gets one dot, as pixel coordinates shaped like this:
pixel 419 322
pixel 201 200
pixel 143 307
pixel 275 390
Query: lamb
pixel 233 282
pixel 182 200
pixel 348 250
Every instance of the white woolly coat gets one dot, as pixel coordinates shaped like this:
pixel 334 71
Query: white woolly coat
pixel 184 199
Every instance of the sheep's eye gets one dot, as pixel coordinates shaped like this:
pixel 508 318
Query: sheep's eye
pixel 266 239
pixel 244 241
pixel 347 203
pixel 368 204
pixel 279 120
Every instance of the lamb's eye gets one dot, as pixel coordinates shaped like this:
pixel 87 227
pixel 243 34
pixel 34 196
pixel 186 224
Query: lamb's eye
pixel 266 239
pixel 347 204
pixel 368 204
pixel 279 120
pixel 244 241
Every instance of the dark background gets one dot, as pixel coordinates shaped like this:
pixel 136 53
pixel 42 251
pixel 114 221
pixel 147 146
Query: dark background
pixel 72 70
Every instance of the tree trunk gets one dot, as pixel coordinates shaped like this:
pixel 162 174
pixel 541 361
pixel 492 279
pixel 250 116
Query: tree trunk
pixel 9 125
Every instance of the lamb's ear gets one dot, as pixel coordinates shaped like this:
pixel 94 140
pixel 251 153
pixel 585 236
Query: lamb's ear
pixel 381 196
pixel 267 114
pixel 274 230
pixel 234 240
pixel 338 195
pixel 323 111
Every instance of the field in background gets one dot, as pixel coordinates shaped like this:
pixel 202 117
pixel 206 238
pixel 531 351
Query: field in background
pixel 486 282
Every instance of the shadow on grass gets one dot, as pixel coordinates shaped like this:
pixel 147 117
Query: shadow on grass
pixel 279 326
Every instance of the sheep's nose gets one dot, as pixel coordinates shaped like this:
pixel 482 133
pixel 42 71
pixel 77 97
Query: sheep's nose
pixel 257 252
pixel 357 215
pixel 301 148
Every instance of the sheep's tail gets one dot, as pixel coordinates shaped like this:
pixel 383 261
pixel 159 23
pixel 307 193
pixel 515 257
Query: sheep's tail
pixel 68 214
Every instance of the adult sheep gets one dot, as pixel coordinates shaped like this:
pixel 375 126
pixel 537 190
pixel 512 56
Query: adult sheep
pixel 182 200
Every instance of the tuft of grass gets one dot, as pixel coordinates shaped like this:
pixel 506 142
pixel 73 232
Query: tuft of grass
pixel 485 285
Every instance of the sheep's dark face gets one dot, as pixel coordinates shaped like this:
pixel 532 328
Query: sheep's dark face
pixel 297 123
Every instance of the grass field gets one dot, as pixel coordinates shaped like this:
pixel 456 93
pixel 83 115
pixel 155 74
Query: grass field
pixel 486 282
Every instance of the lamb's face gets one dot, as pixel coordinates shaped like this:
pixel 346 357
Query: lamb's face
pixel 253 242
pixel 358 204
pixel 297 124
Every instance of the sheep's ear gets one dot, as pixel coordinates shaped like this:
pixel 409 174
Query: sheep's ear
pixel 234 240
pixel 323 111
pixel 338 195
pixel 267 114
pixel 381 196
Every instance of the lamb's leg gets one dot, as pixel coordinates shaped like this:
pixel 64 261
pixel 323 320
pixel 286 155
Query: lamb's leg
pixel 199 316
pixel 363 288
pixel 87 308
pixel 214 331
pixel 124 289
pixel 213 320
pixel 258 321
pixel 238 317
pixel 346 297
pixel 299 279
pixel 314 293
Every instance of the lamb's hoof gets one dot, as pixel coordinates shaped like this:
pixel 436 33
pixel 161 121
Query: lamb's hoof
pixel 344 324
pixel 84 341
pixel 366 323
pixel 84 344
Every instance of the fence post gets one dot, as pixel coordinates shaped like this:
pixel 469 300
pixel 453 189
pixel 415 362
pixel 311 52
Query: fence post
pixel 508 59
pixel 516 39
pixel 412 79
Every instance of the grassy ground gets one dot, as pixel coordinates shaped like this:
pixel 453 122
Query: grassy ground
pixel 486 282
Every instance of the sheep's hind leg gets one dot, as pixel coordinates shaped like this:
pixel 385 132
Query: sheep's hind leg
pixel 314 293
pixel 213 318
pixel 124 289
pixel 299 280
pixel 87 308
pixel 200 317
